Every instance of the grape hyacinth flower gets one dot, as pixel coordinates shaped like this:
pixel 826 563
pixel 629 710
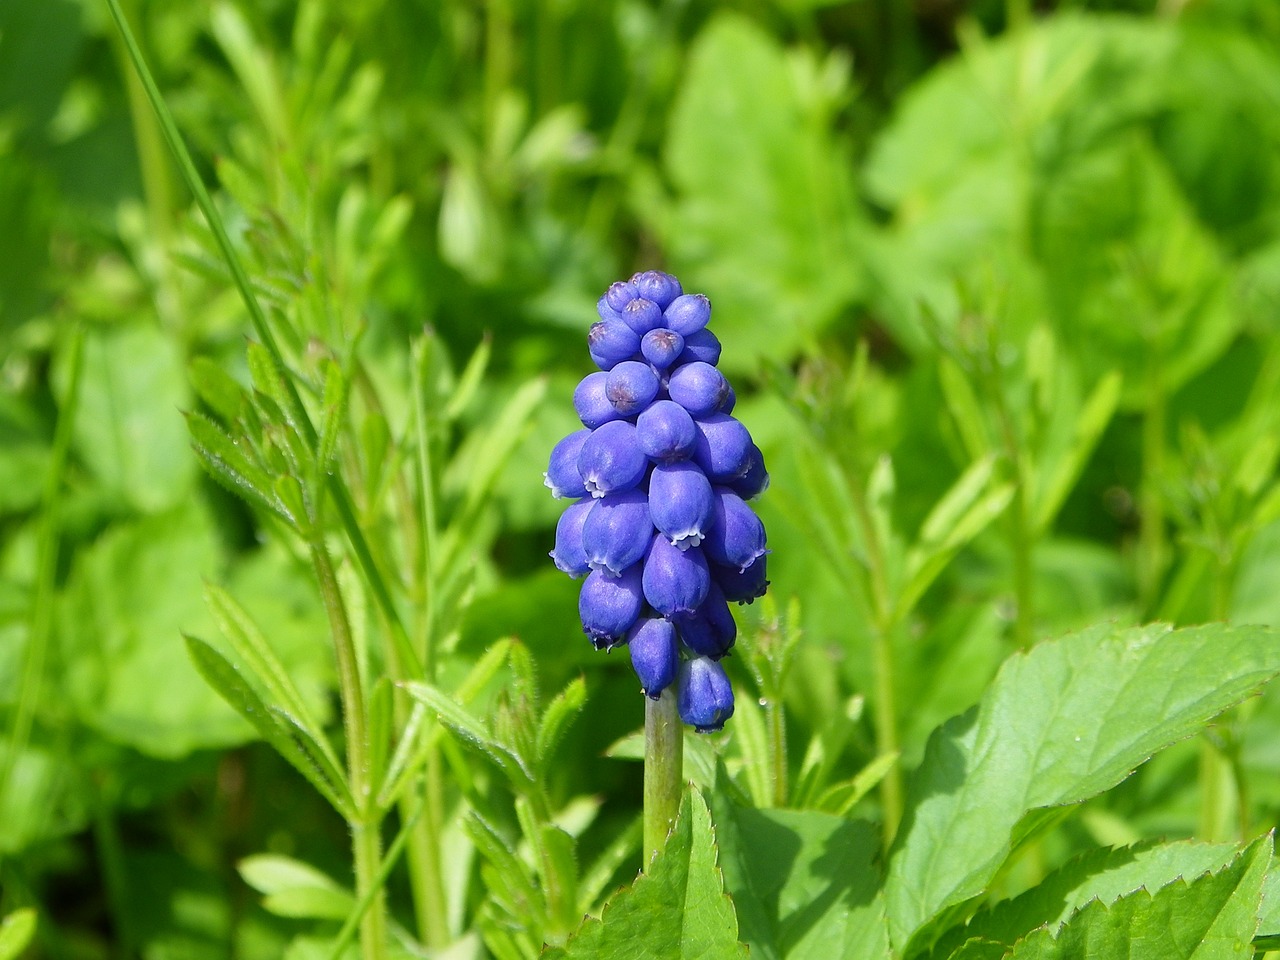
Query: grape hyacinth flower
pixel 660 475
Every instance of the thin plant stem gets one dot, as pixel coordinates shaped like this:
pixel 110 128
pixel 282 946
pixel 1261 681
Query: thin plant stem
pixel 777 720
pixel 663 771
pixel 365 837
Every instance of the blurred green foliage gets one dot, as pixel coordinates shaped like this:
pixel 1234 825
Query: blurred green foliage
pixel 1001 283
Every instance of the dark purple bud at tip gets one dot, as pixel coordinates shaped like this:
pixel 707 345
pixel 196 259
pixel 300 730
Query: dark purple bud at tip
pixel 620 294
pixel 655 655
pixel 610 342
pixel 592 402
pixel 617 532
pixel 703 695
pixel 661 347
pixel 608 606
pixel 569 554
pixel 661 288
pixel 698 387
pixel 631 387
pixel 703 346
pixel 666 432
pixel 611 459
pixel 642 315
pixel 688 314
pixel 675 581
pixel 562 471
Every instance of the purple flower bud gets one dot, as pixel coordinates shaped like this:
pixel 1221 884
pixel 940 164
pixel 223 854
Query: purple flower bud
pixel 702 345
pixel 722 449
pixel 661 347
pixel 569 554
pixel 617 532
pixel 755 481
pixel 642 315
pixel 680 502
pixel 620 294
pixel 606 312
pixel 611 459
pixel 675 581
pixel 698 387
pixel 688 313
pixel 631 387
pixel 735 537
pixel 742 586
pixel 608 606
pixel 710 631
pixel 666 432
pixel 610 342
pixel 703 695
pixel 654 654
pixel 661 288
pixel 730 401
pixel 562 472
pixel 591 401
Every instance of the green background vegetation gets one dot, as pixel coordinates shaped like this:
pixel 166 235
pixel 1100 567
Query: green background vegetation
pixel 999 290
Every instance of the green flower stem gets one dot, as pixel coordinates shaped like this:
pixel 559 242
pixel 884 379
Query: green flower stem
pixel 366 842
pixel 663 771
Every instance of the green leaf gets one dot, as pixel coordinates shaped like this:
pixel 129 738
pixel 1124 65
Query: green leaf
pixel 16 932
pixel 289 740
pixel 229 464
pixel 1056 483
pixel 216 387
pixel 1058 725
pixel 559 714
pixel 761 151
pixel 1105 874
pixel 804 884
pixel 677 911
pixel 470 728
pixel 1210 918
pixel 336 386
pixel 295 889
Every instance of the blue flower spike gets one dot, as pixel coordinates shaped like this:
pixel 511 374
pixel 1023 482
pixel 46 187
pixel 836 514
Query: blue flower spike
pixel 658 481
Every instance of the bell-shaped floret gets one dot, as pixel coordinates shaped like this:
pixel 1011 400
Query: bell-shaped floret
pixel 702 345
pixel 608 606
pixel 642 315
pixel 611 459
pixel 735 537
pixel 675 581
pixel 620 294
pixel 631 387
pixel 687 314
pixel 610 342
pixel 710 631
pixel 698 387
pixel 722 449
pixel 661 288
pixel 666 432
pixel 661 347
pixel 680 502
pixel 617 532
pixel 655 656
pixel 562 475
pixel 569 554
pixel 742 586
pixel 592 402
pixel 703 694
pixel 756 480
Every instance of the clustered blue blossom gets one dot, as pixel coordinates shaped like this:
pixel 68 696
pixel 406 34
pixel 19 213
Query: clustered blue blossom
pixel 660 475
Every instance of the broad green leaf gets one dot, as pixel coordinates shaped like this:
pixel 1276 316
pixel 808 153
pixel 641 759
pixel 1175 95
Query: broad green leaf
pixel 1058 725
pixel 805 885
pixel 761 151
pixel 677 911
pixel 1105 874
pixel 128 427
pixel 289 740
pixel 16 931
pixel 292 888
pixel 1212 917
